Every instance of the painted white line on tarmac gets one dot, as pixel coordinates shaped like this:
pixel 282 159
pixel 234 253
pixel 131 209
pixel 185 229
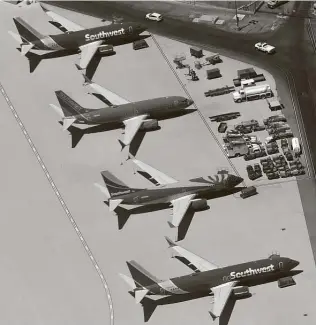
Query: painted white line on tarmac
pixel 63 204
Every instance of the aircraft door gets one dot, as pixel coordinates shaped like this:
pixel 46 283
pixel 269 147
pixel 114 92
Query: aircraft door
pixel 130 30
pixel 281 265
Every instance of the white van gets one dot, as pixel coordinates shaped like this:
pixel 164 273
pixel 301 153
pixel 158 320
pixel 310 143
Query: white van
pixel 296 147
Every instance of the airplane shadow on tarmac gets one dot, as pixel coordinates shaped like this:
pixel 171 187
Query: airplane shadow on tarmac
pixel 123 214
pixel 150 305
pixel 78 133
pixel 35 59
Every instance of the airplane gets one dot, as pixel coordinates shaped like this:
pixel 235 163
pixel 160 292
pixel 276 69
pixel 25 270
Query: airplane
pixel 223 283
pixel 185 195
pixel 133 116
pixel 75 37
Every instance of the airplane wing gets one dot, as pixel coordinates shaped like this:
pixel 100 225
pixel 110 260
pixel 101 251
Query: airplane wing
pixel 193 261
pixel 180 207
pixel 68 25
pixel 221 296
pixel 62 23
pixel 87 53
pixel 132 125
pixel 108 96
pixel 158 176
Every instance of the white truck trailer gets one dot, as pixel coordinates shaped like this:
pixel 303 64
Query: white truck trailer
pixel 250 93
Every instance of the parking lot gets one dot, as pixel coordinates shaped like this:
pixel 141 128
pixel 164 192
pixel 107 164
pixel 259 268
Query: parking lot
pixel 45 263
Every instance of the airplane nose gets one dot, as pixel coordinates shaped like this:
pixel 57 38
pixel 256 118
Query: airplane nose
pixel 190 102
pixel 295 263
pixel 234 180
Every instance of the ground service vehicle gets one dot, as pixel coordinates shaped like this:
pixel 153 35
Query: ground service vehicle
pixel 251 93
pixel 154 16
pixel 274 118
pixel 274 105
pixel 222 127
pixel 296 146
pixel 248 191
pixel 264 47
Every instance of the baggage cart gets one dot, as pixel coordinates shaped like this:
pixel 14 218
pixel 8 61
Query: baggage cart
pixel 248 191
pixel 140 44
pixel 213 73
pixel 196 52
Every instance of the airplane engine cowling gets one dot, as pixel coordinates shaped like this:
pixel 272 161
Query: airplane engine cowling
pixel 149 125
pixel 241 292
pixel 105 48
pixel 198 204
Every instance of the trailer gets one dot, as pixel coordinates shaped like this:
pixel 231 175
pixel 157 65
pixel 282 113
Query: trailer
pixel 219 91
pixel 213 73
pixel 196 52
pixel 140 44
pixel 248 191
pixel 251 93
pixel 224 117
pixel 246 74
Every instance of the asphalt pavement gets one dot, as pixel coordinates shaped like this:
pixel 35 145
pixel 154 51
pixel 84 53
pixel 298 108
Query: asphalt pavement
pixel 293 66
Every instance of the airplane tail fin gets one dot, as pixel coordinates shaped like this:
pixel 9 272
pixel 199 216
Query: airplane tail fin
pixel 68 105
pixel 27 34
pixel 141 278
pixel 115 187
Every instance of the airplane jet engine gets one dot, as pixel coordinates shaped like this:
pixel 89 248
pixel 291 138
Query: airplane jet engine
pixel 241 292
pixel 198 204
pixel 149 125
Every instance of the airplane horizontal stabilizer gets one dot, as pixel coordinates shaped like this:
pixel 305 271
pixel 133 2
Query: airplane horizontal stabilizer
pixel 103 189
pixel 114 204
pixel 128 280
pixel 140 295
pixel 16 37
pixel 57 109
pixel 25 48
pixel 67 122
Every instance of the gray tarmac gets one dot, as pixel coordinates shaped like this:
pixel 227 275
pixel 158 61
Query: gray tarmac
pixel 56 280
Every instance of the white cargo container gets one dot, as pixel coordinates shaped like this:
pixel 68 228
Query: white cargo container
pixel 296 146
pixel 248 93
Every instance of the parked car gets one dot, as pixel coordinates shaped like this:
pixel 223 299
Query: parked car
pixel 154 16
pixel 265 47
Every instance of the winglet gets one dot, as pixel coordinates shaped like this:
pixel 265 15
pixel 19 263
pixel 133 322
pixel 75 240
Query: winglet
pixel 123 145
pixel 78 67
pixel 87 81
pixel 212 315
pixel 171 225
pixel 170 242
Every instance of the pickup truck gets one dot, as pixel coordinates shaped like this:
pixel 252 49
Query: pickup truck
pixel 264 47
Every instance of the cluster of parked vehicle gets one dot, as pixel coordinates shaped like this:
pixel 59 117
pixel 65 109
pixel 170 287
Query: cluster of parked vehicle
pixel 254 171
